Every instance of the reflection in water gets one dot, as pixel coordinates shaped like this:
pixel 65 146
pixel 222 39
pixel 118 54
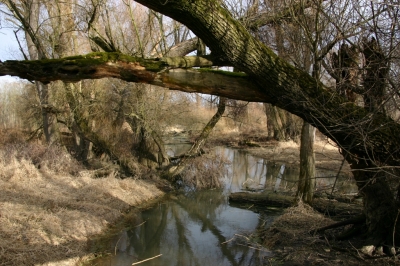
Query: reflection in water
pixel 177 146
pixel 201 228
pixel 251 173
pixel 193 229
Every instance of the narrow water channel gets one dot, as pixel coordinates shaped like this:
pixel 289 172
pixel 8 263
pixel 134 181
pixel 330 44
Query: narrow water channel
pixel 196 228
pixel 201 227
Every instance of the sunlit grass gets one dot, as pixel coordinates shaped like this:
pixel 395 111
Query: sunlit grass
pixel 50 206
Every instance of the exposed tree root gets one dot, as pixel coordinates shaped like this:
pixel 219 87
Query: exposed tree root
pixel 355 220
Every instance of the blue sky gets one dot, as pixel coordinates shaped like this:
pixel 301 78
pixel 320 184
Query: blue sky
pixel 8 49
pixel 8 45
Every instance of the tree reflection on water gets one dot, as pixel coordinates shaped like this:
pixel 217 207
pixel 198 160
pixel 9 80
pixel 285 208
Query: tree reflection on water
pixel 201 227
pixel 193 229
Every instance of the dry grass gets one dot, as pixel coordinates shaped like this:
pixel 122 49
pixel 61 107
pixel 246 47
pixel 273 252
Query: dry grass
pixel 50 207
pixel 205 172
pixel 293 242
pixel 289 236
pixel 295 224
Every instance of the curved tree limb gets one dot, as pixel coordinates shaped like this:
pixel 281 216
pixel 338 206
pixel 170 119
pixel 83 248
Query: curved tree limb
pixel 286 86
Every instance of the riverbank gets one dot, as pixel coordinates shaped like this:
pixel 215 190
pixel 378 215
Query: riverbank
pixel 291 237
pixel 51 207
pixel 327 155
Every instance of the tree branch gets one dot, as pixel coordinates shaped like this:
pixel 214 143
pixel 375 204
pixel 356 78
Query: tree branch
pixel 175 73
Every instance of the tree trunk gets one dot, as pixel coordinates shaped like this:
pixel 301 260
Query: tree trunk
pixel 199 142
pixel 306 186
pixel 278 122
pixel 376 71
pixel 151 148
pixel 379 207
pixel 270 129
pixel 48 118
pixel 30 21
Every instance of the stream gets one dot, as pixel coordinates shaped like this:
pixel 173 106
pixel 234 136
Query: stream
pixel 202 227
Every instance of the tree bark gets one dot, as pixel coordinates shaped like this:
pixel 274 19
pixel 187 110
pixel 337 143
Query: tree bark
pixel 306 185
pixel 277 120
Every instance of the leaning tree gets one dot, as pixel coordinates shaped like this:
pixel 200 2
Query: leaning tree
pixel 370 140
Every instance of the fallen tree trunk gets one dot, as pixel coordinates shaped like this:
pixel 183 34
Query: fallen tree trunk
pixel 166 72
pixel 273 199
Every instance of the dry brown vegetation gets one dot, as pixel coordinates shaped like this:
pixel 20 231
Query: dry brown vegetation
pixel 50 206
pixel 205 172
pixel 292 239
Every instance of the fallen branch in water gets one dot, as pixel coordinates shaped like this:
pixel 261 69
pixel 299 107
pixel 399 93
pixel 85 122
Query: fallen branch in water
pixel 136 263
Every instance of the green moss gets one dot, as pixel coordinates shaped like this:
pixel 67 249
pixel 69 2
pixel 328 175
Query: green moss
pixel 97 58
pixel 222 72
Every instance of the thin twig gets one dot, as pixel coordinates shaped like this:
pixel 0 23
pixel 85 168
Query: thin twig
pixel 243 236
pixel 337 175
pixel 140 224
pixel 264 221
pixel 136 263
pixel 227 241
pixel 327 241
pixel 357 251
pixel 265 250
pixel 394 229
pixel 116 245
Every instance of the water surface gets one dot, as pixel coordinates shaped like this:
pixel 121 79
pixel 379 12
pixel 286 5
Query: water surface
pixel 201 227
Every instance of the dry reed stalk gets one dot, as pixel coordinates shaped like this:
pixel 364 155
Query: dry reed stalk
pixel 139 262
